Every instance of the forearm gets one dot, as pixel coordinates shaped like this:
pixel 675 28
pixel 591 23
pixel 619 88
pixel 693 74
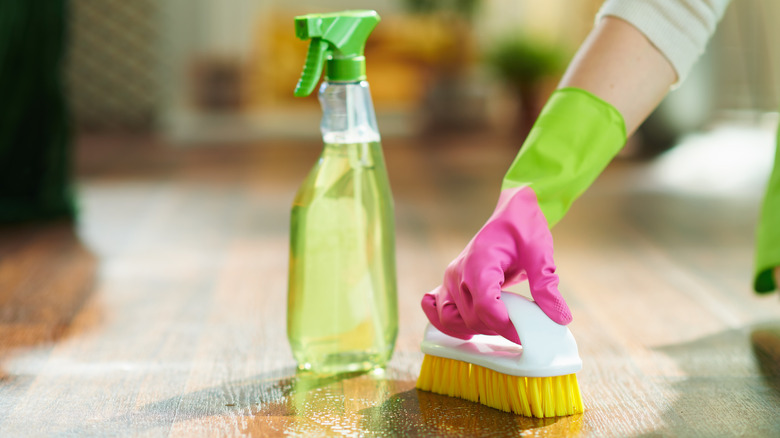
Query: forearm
pixel 618 64
pixel 620 74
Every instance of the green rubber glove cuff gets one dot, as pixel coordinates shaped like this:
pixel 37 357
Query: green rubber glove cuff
pixel 574 138
pixel 768 232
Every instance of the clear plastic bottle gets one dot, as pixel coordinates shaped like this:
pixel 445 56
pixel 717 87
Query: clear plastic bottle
pixel 342 302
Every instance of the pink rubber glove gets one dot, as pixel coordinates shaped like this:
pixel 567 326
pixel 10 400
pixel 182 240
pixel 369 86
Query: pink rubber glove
pixel 513 245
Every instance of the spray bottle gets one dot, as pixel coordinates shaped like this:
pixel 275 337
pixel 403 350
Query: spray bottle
pixel 342 309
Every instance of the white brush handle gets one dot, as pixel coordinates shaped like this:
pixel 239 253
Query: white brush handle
pixel 548 349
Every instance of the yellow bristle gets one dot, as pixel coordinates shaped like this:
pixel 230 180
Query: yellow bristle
pixel 454 387
pixel 432 373
pixel 564 394
pixel 481 386
pixel 529 396
pixel 500 392
pixel 535 397
pixel 514 396
pixel 575 391
pixel 548 403
pixel 522 393
pixel 486 396
pixel 559 395
pixel 497 389
pixel 473 384
pixel 424 381
pixel 570 398
pixel 507 395
pixel 463 380
pixel 445 384
pixel 439 386
pixel 494 389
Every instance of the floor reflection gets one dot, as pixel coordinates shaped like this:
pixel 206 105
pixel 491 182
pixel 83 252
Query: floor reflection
pixel 285 403
pixel 47 274
pixel 736 392
pixel 380 404
pixel 765 339
pixel 46 277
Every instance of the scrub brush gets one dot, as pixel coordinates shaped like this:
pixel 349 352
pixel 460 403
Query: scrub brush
pixel 536 379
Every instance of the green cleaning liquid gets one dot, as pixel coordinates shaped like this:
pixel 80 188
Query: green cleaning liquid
pixel 342 304
pixel 342 309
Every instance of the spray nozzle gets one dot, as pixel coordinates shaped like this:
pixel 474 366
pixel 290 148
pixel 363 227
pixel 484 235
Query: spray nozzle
pixel 339 38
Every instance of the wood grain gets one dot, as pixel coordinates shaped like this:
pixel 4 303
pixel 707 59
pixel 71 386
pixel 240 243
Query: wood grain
pixel 161 312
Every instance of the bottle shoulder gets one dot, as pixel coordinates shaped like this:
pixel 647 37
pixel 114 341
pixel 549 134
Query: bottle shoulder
pixel 347 113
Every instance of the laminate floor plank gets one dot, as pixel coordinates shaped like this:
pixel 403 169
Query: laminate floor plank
pixel 161 311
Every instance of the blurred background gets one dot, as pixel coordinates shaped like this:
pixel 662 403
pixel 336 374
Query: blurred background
pixel 176 75
pixel 198 71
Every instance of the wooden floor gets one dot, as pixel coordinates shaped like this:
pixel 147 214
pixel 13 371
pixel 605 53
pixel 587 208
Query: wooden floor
pixel 162 311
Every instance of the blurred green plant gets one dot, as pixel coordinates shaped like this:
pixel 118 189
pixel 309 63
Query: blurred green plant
pixel 464 8
pixel 522 62
pixel 526 66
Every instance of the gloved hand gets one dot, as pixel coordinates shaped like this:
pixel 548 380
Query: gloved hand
pixel 513 245
pixel 572 141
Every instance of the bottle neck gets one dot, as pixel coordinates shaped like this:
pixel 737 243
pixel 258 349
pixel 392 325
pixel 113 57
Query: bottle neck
pixel 346 69
pixel 347 113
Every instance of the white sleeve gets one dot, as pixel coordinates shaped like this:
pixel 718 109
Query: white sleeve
pixel 679 29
